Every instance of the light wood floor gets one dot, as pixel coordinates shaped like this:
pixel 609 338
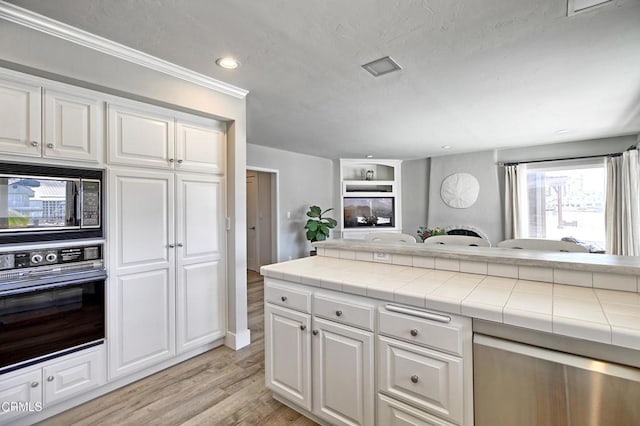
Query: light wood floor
pixel 220 387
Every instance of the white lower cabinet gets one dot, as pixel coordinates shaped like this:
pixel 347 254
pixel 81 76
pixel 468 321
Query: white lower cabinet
pixel 327 356
pixel 322 366
pixel 51 382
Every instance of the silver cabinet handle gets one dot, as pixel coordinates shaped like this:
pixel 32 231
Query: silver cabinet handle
pixel 419 314
pixel 172 245
pixel 34 143
pixel 50 379
pixel 180 245
pixel 50 145
pixel 315 332
pixel 34 384
pixel 414 379
pixel 171 160
pixel 180 161
pixel 303 327
pixel 339 313
pixel 283 298
pixel 414 332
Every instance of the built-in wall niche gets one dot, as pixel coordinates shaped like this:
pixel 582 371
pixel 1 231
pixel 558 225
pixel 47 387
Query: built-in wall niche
pixel 371 197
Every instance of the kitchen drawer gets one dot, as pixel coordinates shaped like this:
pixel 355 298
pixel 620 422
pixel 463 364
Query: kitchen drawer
pixel 289 295
pixel 427 379
pixel 74 375
pixel 344 311
pixel 395 413
pixel 444 332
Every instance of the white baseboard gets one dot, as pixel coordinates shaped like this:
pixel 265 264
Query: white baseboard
pixel 238 340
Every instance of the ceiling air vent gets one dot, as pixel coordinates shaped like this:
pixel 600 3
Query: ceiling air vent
pixel 579 6
pixel 382 66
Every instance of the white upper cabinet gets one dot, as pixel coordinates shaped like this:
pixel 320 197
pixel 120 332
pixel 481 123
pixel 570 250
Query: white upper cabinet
pixel 153 137
pixel 70 126
pixel 20 118
pixel 140 136
pixel 200 146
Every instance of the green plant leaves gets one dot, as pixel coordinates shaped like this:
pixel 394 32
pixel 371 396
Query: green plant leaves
pixel 312 225
pixel 314 211
pixel 318 227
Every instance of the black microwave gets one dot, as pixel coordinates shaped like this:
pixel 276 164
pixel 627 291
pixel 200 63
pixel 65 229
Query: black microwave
pixel 44 203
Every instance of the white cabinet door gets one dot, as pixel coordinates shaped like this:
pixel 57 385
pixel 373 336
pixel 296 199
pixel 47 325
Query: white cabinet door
pixel 200 146
pixel 140 136
pixel 24 388
pixel 20 119
pixel 343 374
pixel 72 376
pixel 201 278
pixel 288 354
pixel 70 126
pixel 141 301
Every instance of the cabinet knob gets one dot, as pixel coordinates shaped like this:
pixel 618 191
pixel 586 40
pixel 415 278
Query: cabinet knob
pixel 34 143
pixel 34 384
pixel 172 245
pixel 303 327
pixel 180 245
pixel 283 298
pixel 315 332
pixel 171 160
pixel 50 379
pixel 50 145
pixel 414 332
pixel 414 378
pixel 339 313
pixel 180 161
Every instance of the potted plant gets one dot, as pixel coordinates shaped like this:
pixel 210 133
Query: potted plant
pixel 318 227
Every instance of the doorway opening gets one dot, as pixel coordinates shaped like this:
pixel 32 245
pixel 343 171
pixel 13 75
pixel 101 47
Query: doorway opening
pixel 262 218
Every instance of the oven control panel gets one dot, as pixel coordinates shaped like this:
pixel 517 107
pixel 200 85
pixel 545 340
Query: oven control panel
pixel 49 256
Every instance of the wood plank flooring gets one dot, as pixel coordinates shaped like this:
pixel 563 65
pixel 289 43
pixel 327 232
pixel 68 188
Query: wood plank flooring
pixel 220 387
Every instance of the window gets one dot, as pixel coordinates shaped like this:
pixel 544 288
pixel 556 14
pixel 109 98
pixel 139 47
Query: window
pixel 565 199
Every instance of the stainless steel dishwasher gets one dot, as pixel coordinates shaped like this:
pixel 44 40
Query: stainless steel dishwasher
pixel 522 377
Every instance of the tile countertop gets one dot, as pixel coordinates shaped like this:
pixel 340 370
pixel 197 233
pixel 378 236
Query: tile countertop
pixel 604 263
pixel 598 315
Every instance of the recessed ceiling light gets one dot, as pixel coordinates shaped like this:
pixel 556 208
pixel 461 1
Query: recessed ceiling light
pixel 382 66
pixel 228 63
pixel 446 147
pixel 562 131
pixel 369 156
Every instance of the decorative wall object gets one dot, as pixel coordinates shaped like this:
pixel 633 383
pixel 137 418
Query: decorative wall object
pixel 460 190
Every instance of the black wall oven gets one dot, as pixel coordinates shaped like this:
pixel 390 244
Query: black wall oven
pixel 43 203
pixel 52 302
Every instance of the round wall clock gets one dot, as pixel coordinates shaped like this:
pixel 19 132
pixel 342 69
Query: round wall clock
pixel 460 190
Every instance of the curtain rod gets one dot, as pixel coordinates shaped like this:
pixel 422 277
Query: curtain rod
pixel 615 154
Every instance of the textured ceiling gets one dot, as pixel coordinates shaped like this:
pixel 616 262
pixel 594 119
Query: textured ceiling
pixel 476 74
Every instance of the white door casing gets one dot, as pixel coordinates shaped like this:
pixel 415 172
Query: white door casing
pixel 252 222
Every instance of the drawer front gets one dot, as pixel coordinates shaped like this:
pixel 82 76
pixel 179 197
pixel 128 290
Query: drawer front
pixel 446 336
pixel 395 413
pixel 280 293
pixel 25 388
pixel 344 311
pixel 427 379
pixel 72 376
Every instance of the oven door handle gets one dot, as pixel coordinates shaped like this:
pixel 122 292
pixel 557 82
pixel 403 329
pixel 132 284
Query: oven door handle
pixel 38 287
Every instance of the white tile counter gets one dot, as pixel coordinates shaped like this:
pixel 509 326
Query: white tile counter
pixel 579 311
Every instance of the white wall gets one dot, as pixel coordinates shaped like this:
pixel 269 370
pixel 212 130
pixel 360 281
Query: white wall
pixel 305 180
pixel 27 50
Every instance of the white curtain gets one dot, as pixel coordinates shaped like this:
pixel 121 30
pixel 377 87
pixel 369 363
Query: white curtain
pixel 623 204
pixel 514 201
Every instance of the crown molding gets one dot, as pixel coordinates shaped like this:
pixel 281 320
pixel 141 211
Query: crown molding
pixel 27 18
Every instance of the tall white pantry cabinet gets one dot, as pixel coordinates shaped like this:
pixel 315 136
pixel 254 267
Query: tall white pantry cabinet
pixel 167 291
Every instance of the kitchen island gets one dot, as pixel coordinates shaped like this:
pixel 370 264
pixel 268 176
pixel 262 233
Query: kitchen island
pixel 417 303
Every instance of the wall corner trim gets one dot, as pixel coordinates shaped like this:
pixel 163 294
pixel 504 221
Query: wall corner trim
pixel 27 18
